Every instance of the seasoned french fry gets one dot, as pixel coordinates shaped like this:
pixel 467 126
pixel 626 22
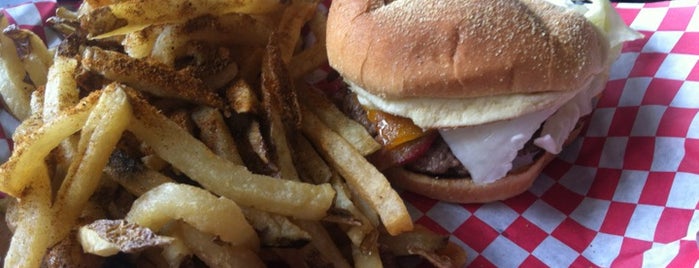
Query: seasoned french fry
pixel 35 56
pixel 34 229
pixel 215 134
pixel 324 243
pixel 361 176
pixel 310 164
pixel 15 92
pixel 331 116
pixel 232 29
pixel 292 20
pixel 99 136
pixel 120 17
pixel 215 255
pixel 196 206
pixel 61 89
pixel 280 110
pixel 16 172
pixel 363 259
pixel 139 44
pixel 146 76
pixel 311 58
pixel 300 200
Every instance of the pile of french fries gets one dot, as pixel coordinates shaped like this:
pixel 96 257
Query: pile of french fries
pixel 181 132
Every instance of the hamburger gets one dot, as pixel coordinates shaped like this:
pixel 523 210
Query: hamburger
pixel 472 98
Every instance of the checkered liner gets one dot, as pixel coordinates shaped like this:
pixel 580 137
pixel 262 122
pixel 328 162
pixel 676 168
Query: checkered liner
pixel 625 194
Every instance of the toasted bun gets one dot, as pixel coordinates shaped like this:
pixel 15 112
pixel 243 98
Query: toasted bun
pixel 459 190
pixel 464 190
pixel 462 48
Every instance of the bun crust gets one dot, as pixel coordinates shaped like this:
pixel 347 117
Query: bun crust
pixel 463 190
pixel 462 48
pixel 459 190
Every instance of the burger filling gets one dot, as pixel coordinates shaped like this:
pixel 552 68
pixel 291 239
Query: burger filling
pixel 486 151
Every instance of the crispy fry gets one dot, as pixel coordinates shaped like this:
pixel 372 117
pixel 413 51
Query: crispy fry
pixel 331 116
pixel 226 30
pixel 32 51
pixel 292 20
pixel 324 243
pixel 310 165
pixel 196 206
pixel 311 58
pixel 143 75
pixel 61 89
pixel 139 44
pixel 102 130
pixel 214 132
pixel 121 16
pixel 223 177
pixel 366 259
pixel 362 177
pixel 215 255
pixel 16 172
pixel 280 111
pixel 15 92
pixel 109 237
pixel 241 97
pixel 34 229
pixel 276 230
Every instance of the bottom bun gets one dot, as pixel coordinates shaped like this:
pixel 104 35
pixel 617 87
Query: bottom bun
pixel 464 190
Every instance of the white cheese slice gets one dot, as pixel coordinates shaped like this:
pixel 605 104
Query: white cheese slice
pixel 487 151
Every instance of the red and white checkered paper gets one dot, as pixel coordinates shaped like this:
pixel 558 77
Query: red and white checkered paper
pixel 625 194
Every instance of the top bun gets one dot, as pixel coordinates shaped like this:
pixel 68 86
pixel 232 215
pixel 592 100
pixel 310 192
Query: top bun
pixel 462 48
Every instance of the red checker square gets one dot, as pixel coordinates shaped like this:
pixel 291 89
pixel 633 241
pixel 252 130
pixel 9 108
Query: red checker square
pixel 690 162
pixel 694 74
pixel 605 183
pixel 617 218
pixel 623 120
pixel 581 261
pixel 657 188
pixel 481 262
pixel 661 91
pixel 557 168
pixel 420 202
pixel 574 235
pixel 628 14
pixel 521 202
pixel 687 44
pixel 647 64
pixel 562 199
pixel 639 153
pixel 631 253
pixel 687 256
pixel 485 234
pixel 675 122
pixel 533 262
pixel 471 207
pixel 611 94
pixel 525 234
pixel 590 151
pixel 673 224
pixel 676 19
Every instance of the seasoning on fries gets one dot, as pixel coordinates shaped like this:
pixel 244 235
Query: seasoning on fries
pixel 181 133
